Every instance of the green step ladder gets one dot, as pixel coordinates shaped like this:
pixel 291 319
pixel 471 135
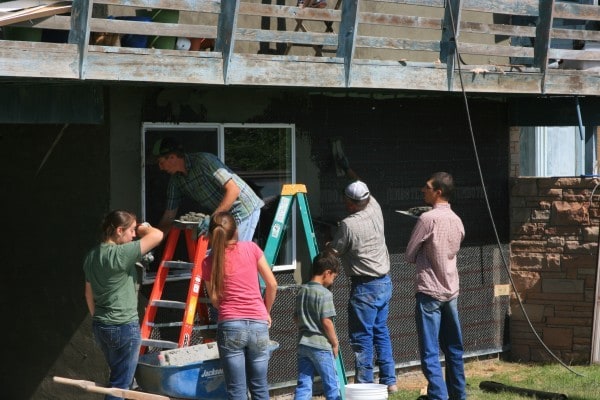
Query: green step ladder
pixel 289 193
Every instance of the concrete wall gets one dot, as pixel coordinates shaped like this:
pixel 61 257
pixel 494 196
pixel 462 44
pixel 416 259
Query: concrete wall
pixel 554 262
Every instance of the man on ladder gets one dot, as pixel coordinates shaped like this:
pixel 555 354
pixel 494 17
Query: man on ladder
pixel 360 242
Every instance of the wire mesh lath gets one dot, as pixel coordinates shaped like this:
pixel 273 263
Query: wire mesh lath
pixel 483 315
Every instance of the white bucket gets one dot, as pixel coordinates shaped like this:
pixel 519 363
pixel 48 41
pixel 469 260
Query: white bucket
pixel 366 391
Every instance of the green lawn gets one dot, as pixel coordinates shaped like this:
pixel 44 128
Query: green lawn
pixel 553 378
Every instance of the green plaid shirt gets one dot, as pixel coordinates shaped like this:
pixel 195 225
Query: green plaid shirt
pixel 204 184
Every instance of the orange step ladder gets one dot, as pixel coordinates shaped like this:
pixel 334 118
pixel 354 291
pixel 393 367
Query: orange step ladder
pixel 170 270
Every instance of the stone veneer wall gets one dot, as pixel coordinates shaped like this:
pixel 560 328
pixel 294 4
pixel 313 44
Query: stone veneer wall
pixel 554 262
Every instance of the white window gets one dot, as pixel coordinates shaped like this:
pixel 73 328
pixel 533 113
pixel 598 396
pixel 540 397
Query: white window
pixel 557 151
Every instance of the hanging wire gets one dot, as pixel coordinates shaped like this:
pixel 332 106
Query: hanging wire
pixel 485 196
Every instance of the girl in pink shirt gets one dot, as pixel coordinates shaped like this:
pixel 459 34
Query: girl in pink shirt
pixel 230 274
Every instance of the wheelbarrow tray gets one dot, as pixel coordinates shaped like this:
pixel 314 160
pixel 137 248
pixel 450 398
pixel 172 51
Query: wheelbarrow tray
pixel 198 380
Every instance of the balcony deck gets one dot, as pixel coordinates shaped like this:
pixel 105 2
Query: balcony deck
pixel 499 46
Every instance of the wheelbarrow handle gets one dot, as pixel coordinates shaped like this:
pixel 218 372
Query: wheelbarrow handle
pixel 92 387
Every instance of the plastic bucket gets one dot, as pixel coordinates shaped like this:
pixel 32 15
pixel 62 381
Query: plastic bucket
pixel 163 16
pixel 138 41
pixel 366 391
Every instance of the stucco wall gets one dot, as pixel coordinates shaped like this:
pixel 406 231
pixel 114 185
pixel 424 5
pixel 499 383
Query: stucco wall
pixel 554 262
pixel 394 143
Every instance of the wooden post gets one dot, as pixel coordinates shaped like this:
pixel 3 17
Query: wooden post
pixel 226 32
pixel 81 12
pixel 450 32
pixel 542 38
pixel 347 35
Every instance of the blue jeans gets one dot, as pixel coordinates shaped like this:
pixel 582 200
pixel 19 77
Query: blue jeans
pixel 244 353
pixel 311 360
pixel 120 345
pixel 439 320
pixel 247 227
pixel 367 318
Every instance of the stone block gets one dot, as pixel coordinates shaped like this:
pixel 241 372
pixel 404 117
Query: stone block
pixel 572 246
pixel 558 338
pixel 562 286
pixel 540 215
pixel 525 187
pixel 535 312
pixel 569 213
pixel 527 261
pixel 590 233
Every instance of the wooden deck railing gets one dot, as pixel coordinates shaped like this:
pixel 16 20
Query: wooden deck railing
pixel 500 46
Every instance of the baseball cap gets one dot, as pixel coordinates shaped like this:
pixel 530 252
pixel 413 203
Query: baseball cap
pixel 357 190
pixel 164 146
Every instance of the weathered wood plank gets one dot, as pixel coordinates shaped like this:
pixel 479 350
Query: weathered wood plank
pixel 481 81
pixel 495 50
pixel 397 76
pixel 397 44
pixel 406 21
pixel 426 3
pixel 572 83
pixel 310 38
pixel 286 71
pixel 207 6
pixel 39 60
pixel 582 55
pixel 274 11
pixel 576 11
pixel 510 7
pixel 59 22
pixel 123 64
pixel 577 34
pixel 497 29
pixel 152 28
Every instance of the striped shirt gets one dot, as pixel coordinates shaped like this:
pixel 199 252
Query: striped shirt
pixel 313 303
pixel 206 176
pixel 433 246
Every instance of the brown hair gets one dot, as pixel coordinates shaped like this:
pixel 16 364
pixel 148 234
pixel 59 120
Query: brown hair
pixel 222 230
pixel 116 219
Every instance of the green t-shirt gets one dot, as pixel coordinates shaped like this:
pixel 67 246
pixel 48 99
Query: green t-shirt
pixel 313 303
pixel 111 271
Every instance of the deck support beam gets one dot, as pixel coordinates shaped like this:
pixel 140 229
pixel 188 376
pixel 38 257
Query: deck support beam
pixel 81 12
pixel 347 36
pixel 450 32
pixel 225 32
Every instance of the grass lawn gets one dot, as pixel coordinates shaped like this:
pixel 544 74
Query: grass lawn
pixel 553 378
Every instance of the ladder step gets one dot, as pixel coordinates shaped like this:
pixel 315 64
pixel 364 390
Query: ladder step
pixel 204 327
pixel 179 265
pixel 163 344
pixel 172 276
pixel 168 304
pixel 165 324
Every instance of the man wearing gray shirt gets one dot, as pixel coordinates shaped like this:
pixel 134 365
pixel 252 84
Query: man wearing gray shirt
pixel 360 243
pixel 433 247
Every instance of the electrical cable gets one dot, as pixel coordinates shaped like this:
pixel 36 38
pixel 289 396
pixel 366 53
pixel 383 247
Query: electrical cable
pixel 485 196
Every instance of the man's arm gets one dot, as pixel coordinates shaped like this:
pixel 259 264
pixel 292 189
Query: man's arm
pixel 166 221
pixel 232 192
pixel 416 241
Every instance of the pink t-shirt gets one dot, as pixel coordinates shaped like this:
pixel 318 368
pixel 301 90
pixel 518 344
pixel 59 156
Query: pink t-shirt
pixel 242 297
